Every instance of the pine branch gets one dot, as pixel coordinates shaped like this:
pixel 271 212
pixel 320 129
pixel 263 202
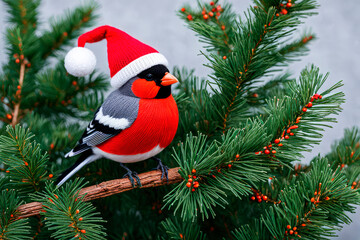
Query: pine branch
pixel 66 28
pixel 109 188
pixel 27 163
pixel 15 119
pixel 11 227
pixel 67 215
pixel 311 206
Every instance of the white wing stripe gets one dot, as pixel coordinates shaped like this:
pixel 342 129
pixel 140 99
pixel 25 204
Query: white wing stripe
pixel 116 123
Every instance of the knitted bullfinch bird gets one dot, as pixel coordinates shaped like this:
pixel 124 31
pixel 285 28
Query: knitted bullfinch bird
pixel 137 120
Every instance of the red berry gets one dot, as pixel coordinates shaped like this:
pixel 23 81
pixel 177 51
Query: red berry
pixel 190 180
pixel 277 141
pixel 284 11
pixel 277 15
pixel 229 165
pixel 288 227
pixel 287 137
pixel 311 99
pixel 304 109
pixel 189 17
pixel 320 97
pixel 309 105
pixel 288 5
pixel 273 151
pixel 281 5
pixel 280 145
pixel 294 228
pixel 8 116
pixel 253 198
pixel 183 9
pixel 223 27
pixel 267 151
pixel 259 200
pixel 83 230
pixel 17 60
pixel 212 3
pixel 51 175
pixel 193 171
pixel 291 134
pixel 193 190
pixel 213 10
pixel 265 198
pixel 224 57
pixel 206 16
pixel 188 184
pixel 211 14
pixel 237 156
pixel 218 14
pixel 291 232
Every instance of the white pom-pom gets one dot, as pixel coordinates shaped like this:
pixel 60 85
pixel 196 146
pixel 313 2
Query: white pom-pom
pixel 80 62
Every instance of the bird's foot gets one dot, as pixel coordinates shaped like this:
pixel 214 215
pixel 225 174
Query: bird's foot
pixel 131 175
pixel 164 169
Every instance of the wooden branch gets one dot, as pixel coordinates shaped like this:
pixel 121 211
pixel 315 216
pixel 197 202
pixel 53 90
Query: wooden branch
pixel 15 118
pixel 108 188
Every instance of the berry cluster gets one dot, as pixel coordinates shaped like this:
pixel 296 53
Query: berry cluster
pixel 284 8
pixel 259 197
pixel 293 231
pixel 317 196
pixel 156 206
pixel 207 12
pixel 21 58
pixel 192 181
pixel 354 185
pixel 306 39
pixel 310 104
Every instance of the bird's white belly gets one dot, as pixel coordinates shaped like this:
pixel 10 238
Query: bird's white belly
pixel 128 158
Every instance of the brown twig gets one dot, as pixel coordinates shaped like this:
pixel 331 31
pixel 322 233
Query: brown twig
pixel 108 188
pixel 15 118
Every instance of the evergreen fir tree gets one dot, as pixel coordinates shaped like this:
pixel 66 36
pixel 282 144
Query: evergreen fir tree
pixel 234 173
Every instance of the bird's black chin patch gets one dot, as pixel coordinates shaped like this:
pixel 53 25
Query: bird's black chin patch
pixel 164 92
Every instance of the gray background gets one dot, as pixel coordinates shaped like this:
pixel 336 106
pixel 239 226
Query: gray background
pixel 155 22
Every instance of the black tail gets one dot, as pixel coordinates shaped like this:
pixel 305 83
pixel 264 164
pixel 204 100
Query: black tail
pixel 70 171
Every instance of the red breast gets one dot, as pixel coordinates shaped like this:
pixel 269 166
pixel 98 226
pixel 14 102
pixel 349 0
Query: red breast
pixel 156 124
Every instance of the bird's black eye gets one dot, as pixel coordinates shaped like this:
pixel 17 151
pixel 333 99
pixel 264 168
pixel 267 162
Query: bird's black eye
pixel 149 77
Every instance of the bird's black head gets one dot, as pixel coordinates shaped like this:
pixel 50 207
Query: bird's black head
pixel 154 82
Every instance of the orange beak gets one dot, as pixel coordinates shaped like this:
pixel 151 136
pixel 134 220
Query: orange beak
pixel 168 79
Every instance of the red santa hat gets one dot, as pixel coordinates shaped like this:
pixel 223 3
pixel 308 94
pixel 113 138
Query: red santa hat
pixel 127 56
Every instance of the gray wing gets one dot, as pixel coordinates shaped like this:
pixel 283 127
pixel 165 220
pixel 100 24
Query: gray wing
pixel 117 113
